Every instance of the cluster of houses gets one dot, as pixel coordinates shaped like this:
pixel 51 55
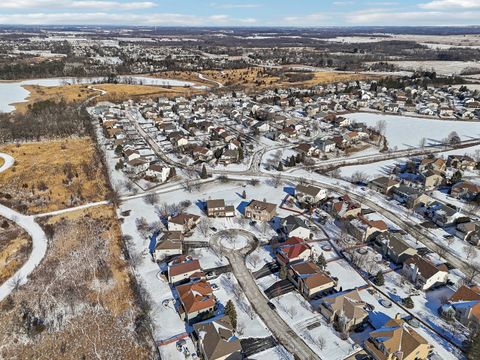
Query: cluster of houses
pixel 411 184
pixel 197 305
pixel 136 157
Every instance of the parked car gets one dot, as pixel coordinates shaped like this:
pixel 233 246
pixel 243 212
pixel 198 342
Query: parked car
pixel 271 305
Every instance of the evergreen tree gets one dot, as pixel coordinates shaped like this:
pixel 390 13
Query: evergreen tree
pixel 456 177
pixel 321 262
pixel 244 194
pixel 308 133
pixel 379 279
pixel 231 312
pixel 473 347
pixel 240 154
pixel 204 173
pixel 298 159
pixel 280 166
pixel 408 302
pixel 118 149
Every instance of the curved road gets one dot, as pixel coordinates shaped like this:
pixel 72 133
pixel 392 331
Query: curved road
pixel 279 328
pixel 39 240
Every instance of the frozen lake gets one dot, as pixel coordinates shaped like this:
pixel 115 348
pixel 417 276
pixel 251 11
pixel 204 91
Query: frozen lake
pixel 405 132
pixel 13 92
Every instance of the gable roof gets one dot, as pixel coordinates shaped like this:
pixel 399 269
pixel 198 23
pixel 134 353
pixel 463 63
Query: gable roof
pixel 218 339
pixel 196 296
pixel 425 267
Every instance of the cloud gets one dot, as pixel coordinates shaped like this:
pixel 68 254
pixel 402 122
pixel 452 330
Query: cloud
pixel 451 4
pixel 75 4
pixel 343 3
pixel 108 18
pixel 389 17
pixel 235 6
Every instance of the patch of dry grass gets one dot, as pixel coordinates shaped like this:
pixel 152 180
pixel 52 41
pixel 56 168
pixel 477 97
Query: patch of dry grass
pixel 79 302
pixel 15 248
pixel 2 161
pixel 67 93
pixel 122 92
pixel 52 175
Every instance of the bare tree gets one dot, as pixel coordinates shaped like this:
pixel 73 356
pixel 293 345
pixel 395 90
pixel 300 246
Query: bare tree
pixel 470 252
pixel 422 142
pixel 291 311
pixel 321 343
pixel 204 225
pixel 381 127
pixel 151 198
pixel 277 180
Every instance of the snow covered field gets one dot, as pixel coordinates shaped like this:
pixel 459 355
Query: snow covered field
pixel 405 132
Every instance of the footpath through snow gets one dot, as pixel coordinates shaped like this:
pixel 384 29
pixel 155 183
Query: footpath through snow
pixel 9 161
pixel 39 240
pixel 39 248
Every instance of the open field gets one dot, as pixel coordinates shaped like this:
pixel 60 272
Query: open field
pixel 71 174
pixel 67 93
pixel 80 302
pixel 15 247
pixel 115 92
pixel 121 92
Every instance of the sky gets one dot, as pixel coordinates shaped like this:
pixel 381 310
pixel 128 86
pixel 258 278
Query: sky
pixel 306 13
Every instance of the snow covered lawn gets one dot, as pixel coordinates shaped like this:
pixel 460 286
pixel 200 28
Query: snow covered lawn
pixel 348 278
pixel 404 132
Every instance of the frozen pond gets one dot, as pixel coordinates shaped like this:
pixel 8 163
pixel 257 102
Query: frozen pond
pixel 13 92
pixel 405 132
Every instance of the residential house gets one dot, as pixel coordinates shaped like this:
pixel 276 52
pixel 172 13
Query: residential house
pixel 441 214
pixel 295 226
pixel 307 149
pixel 184 268
pixel 432 179
pixel 393 247
pixel 344 208
pixel 195 299
pixel 406 195
pixel 168 244
pixel 325 146
pixel 309 279
pixel 217 208
pixel 461 162
pixel 364 229
pixel 228 157
pixel 465 190
pixel 201 153
pixel 216 340
pixel 158 172
pixel 424 274
pixel 136 166
pixel 383 184
pixel 345 309
pixel 260 210
pixel 465 303
pixel 469 231
pixel 293 250
pixel 310 194
pixel 397 341
pixel 183 223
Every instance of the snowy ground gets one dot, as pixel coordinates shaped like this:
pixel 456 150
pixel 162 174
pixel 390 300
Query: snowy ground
pixel 311 326
pixel 249 323
pixel 348 278
pixel 275 353
pixel 405 132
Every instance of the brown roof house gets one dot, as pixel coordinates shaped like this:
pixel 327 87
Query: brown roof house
pixel 217 208
pixel 168 244
pixel 216 340
pixel 310 194
pixel 196 299
pixel 423 273
pixel 183 222
pixel 469 231
pixel 260 210
pixel 397 341
pixel 465 305
pixel 393 247
pixel 383 184
pixel 345 309
pixel 309 279
pixel 184 268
